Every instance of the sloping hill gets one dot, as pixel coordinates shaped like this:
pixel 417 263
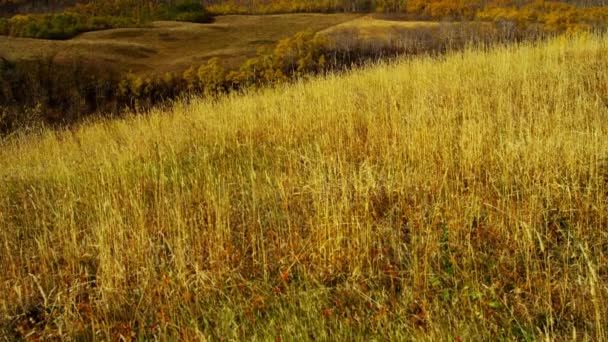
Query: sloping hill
pixel 173 46
pixel 463 197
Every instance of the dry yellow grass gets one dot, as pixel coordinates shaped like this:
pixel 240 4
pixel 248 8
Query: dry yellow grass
pixel 439 198
pixel 377 34
pixel 372 26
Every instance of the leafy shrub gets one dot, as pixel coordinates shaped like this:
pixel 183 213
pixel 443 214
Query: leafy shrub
pixel 193 17
pixel 213 76
pixel 190 11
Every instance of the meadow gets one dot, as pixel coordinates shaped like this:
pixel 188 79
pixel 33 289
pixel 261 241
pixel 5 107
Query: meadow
pixel 147 50
pixel 455 197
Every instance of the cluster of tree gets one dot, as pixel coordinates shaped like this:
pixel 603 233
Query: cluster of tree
pixel 587 3
pixel 180 10
pixel 43 90
pixel 305 53
pixel 9 8
pixel 533 10
pixel 290 6
pixel 276 6
pixel 59 26
pixel 553 16
pixel 101 15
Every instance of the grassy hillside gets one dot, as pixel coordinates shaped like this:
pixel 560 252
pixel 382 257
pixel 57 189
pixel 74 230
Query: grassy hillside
pixel 172 46
pixel 452 198
pixel 381 33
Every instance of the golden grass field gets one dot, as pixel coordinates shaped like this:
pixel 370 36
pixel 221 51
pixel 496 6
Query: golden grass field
pixel 376 33
pixel 381 34
pixel 173 46
pixel 461 197
pixel 370 26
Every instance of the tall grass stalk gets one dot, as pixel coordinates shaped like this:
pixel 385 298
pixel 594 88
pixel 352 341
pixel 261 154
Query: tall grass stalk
pixel 456 197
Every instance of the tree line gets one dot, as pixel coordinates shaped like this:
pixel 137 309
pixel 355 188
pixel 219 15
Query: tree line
pixel 416 9
pixel 437 9
pixel 101 15
pixel 104 14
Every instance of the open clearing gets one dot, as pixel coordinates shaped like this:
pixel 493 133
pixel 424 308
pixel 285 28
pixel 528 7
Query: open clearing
pixel 378 32
pixel 376 27
pixel 173 46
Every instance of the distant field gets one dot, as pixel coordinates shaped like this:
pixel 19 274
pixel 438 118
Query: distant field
pixel 377 27
pixel 172 46
pixel 377 32
pixel 381 32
